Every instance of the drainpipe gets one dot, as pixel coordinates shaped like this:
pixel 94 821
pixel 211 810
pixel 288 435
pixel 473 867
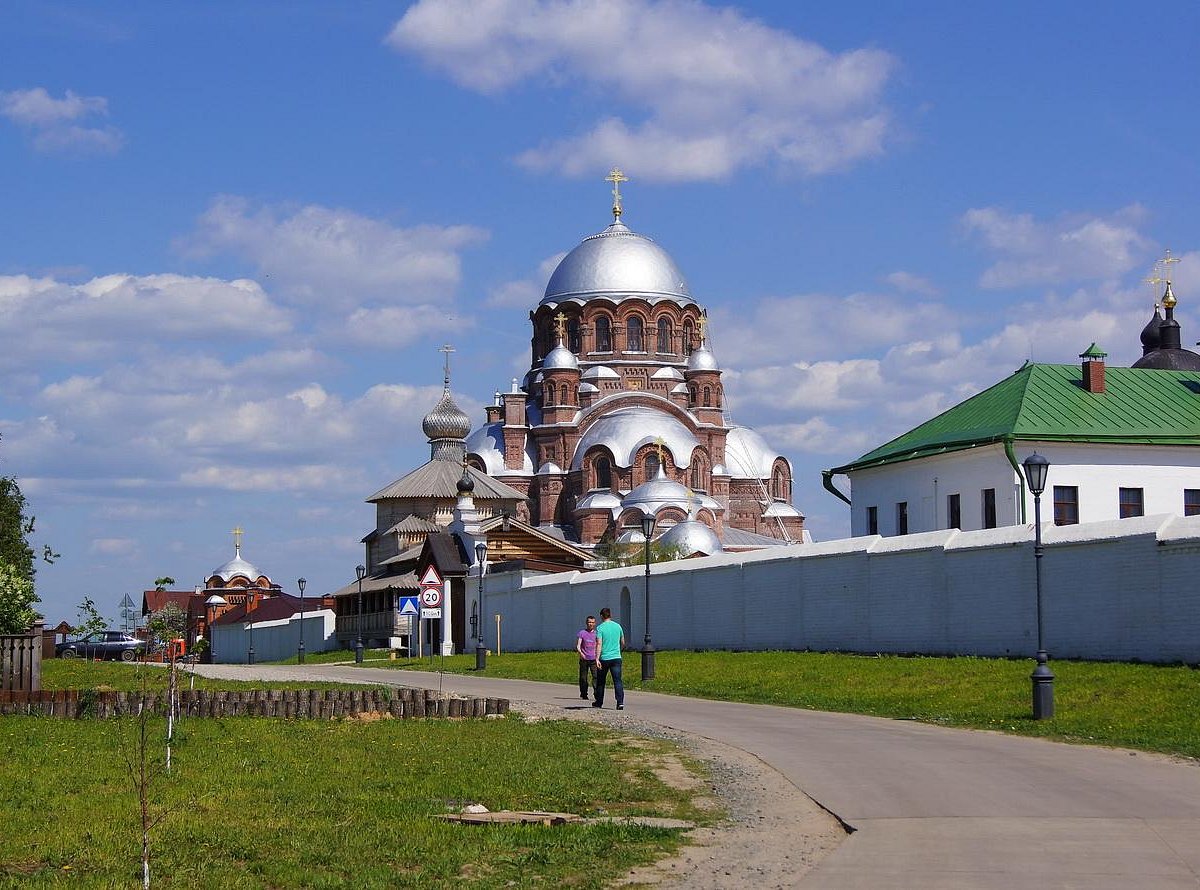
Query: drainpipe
pixel 1012 459
pixel 827 482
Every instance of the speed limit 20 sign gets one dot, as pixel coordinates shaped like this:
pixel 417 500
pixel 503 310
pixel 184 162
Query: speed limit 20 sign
pixel 431 597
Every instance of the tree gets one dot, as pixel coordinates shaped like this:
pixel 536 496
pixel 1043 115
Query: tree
pixel 167 623
pixel 90 619
pixel 14 527
pixel 613 555
pixel 16 600
pixel 163 583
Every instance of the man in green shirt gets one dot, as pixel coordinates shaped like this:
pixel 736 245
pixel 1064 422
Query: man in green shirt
pixel 610 640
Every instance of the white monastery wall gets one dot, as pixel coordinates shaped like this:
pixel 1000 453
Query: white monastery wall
pixel 1113 590
pixel 274 640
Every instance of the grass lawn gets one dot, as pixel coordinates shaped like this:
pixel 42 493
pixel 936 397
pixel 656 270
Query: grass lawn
pixel 75 673
pixel 272 803
pixel 1154 708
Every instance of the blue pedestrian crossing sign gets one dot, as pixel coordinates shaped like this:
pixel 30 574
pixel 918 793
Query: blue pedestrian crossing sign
pixel 408 605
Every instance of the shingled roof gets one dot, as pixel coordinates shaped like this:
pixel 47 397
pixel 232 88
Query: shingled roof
pixel 439 479
pixel 1048 403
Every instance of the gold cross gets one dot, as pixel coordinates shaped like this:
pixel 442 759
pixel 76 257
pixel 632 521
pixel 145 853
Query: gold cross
pixel 616 177
pixel 1166 264
pixel 560 324
pixel 237 537
pixel 659 443
pixel 701 325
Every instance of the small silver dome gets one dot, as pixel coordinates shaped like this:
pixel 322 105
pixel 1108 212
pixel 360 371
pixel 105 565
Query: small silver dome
pixel 659 492
pixel 560 359
pixel 702 359
pixel 692 536
pixel 446 420
pixel 235 567
pixel 617 263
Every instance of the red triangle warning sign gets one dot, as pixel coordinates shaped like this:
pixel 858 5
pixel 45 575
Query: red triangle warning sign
pixel 431 578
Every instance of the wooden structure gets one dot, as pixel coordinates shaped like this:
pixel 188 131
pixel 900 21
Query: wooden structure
pixel 21 660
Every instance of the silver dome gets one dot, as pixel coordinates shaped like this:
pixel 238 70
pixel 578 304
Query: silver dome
pixel 702 359
pixel 747 454
pixel 659 492
pixel 560 359
pixel 235 567
pixel 624 430
pixel 446 420
pixel 692 536
pixel 617 263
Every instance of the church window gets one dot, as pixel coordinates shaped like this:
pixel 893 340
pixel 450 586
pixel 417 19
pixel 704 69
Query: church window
pixel 699 474
pixel 548 394
pixel 664 336
pixel 574 342
pixel 1132 502
pixel 779 484
pixel 603 334
pixel 651 465
pixel 602 471
pixel 688 334
pixel 694 392
pixel 551 453
pixel 708 397
pixel 565 400
pixel 633 335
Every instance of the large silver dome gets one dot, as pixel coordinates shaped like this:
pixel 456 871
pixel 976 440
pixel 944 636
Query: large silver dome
pixel 692 536
pixel 235 567
pixel 446 420
pixel 617 263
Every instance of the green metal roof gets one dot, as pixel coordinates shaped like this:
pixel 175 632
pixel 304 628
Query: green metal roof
pixel 1048 403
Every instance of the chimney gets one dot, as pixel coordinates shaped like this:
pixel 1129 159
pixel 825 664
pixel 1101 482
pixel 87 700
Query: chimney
pixel 495 410
pixel 1093 368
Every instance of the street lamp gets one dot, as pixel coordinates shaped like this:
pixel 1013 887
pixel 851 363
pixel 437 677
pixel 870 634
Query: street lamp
pixel 1036 468
pixel 212 602
pixel 480 646
pixel 361 571
pixel 300 648
pixel 250 623
pixel 647 646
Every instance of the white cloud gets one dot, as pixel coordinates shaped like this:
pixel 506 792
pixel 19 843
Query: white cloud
pixel 334 257
pixel 394 326
pixel 719 91
pixel 1071 248
pixel 101 317
pixel 55 124
pixel 908 283
pixel 113 547
pixel 525 293
pixel 816 435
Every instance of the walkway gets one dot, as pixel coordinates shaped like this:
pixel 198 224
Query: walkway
pixel 930 807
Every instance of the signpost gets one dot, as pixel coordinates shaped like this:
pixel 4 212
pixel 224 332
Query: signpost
pixel 432 591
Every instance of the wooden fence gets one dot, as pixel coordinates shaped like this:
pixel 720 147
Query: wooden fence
pixel 316 704
pixel 21 660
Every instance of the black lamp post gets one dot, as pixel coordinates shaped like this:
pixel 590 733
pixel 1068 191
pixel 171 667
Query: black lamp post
pixel 1036 468
pixel 300 648
pixel 250 623
pixel 361 572
pixel 480 645
pixel 647 646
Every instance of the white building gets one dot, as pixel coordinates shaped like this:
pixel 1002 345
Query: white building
pixel 1121 442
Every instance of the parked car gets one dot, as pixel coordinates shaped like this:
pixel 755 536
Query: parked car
pixel 107 644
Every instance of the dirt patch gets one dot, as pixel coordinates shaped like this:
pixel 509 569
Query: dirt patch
pixel 773 834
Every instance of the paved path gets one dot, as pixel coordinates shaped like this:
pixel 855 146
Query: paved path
pixel 930 807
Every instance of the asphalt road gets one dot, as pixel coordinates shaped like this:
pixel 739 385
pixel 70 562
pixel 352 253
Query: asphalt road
pixel 930 807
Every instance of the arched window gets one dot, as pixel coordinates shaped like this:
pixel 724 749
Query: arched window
pixel 708 397
pixel 574 342
pixel 664 336
pixel 633 335
pixel 695 394
pixel 688 334
pixel 699 473
pixel 602 472
pixel 548 394
pixel 565 400
pixel 603 334
pixel 651 465
pixel 779 484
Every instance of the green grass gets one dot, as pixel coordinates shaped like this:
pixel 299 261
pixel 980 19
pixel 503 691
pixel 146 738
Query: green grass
pixel 272 803
pixel 75 673
pixel 1150 707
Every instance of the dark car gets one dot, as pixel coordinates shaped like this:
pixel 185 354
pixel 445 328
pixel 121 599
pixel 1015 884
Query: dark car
pixel 107 644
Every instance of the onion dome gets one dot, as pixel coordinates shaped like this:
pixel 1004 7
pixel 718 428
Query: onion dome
pixel 692 536
pixel 617 263
pixel 446 420
pixel 466 484
pixel 1151 336
pixel 702 359
pixel 659 492
pixel 237 566
pixel 560 359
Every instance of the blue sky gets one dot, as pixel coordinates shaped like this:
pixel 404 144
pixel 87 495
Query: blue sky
pixel 232 236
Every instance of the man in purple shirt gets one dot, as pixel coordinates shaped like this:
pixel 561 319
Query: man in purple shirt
pixel 585 647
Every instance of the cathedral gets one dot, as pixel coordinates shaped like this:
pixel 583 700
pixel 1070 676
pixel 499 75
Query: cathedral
pixel 622 412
